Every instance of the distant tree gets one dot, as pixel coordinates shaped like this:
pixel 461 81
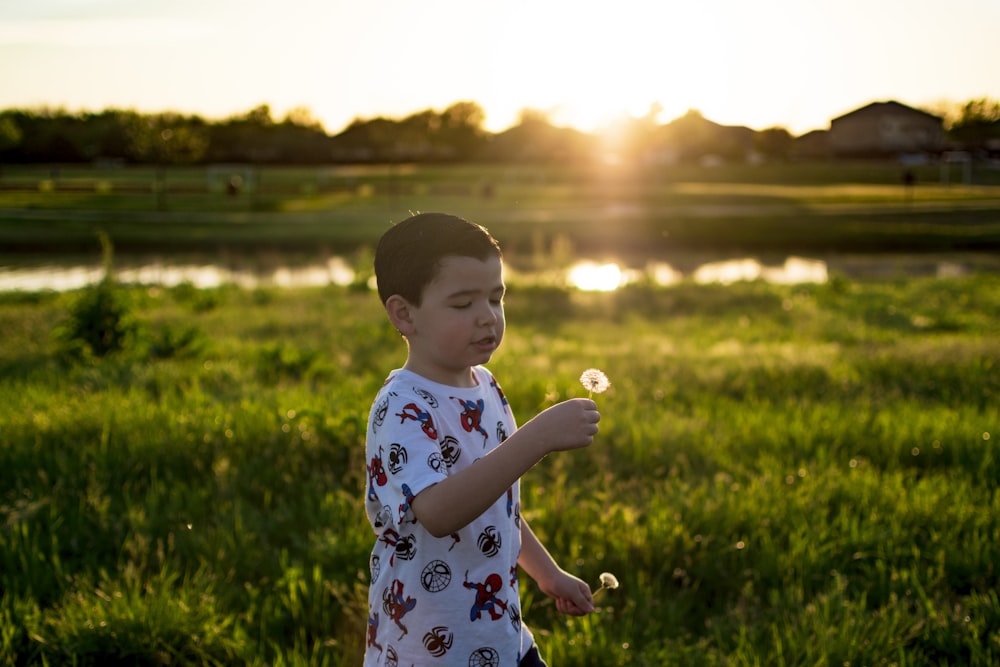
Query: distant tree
pixel 167 138
pixel 461 132
pixel 978 123
pixel 535 139
pixel 302 117
pixel 10 132
pixel 774 143
pixel 413 137
pixel 364 141
pixel 106 134
pixel 980 110
pixel 243 138
pixel 259 115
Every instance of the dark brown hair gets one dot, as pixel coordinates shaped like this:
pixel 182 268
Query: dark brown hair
pixel 409 254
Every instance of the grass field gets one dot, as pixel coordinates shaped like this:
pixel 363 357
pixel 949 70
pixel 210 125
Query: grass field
pixel 800 208
pixel 785 475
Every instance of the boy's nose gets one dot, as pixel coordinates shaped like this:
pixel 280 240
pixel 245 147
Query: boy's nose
pixel 487 316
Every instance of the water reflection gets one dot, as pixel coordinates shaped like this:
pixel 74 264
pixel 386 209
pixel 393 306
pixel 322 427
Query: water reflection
pixel 591 276
pixel 334 271
pixel 595 277
pixel 795 270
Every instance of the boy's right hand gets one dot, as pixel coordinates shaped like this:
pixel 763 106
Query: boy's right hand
pixel 571 424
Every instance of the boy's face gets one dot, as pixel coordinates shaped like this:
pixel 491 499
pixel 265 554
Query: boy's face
pixel 460 320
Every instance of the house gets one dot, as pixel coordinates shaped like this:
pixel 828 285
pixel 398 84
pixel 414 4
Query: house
pixel 885 129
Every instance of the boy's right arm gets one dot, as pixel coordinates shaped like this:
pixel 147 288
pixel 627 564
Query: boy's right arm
pixel 454 502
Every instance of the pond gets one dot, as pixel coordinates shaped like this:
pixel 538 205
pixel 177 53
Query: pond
pixel 586 274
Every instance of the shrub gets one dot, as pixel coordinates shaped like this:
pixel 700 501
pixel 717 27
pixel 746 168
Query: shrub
pixel 99 321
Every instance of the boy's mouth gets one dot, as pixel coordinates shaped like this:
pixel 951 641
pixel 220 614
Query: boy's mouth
pixel 488 341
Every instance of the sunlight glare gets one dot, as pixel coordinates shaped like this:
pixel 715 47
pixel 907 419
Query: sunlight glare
pixel 593 277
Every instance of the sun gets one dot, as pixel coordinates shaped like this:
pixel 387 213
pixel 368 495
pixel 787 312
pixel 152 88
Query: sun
pixel 600 67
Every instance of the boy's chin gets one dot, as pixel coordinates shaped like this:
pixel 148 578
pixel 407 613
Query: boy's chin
pixel 486 349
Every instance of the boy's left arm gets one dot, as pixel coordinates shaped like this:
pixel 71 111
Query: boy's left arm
pixel 571 594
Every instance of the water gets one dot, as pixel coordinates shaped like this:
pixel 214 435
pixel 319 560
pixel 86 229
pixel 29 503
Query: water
pixel 586 274
pixel 167 273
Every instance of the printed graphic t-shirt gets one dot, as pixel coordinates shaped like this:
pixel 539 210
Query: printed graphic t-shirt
pixel 450 600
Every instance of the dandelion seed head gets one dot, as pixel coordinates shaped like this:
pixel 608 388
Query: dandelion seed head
pixel 594 380
pixel 609 581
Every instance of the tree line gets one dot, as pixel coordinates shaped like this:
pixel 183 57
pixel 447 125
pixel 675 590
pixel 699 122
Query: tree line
pixel 456 134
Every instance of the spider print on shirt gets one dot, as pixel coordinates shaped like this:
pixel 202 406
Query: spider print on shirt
pixel 472 417
pixel 396 605
pixel 376 475
pixel 486 597
pixel 412 411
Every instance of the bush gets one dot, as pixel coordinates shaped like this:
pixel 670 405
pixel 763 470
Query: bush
pixel 100 321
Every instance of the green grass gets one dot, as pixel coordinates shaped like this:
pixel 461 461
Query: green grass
pixel 822 207
pixel 798 475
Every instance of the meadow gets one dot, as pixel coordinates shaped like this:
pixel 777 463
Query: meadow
pixel 785 475
pixel 614 211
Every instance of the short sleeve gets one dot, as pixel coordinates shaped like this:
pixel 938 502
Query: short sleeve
pixel 405 444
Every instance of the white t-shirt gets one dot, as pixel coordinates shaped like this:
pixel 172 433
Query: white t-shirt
pixel 452 600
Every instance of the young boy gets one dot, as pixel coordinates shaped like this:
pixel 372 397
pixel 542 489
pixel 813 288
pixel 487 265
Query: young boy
pixel 444 459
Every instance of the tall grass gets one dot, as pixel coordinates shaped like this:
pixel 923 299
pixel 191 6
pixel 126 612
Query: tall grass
pixel 786 475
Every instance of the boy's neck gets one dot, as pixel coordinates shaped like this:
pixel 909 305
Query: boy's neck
pixel 464 379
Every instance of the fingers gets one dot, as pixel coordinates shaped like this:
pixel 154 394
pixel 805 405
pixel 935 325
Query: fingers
pixel 574 608
pixel 579 601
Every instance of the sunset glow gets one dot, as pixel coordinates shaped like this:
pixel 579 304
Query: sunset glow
pixel 760 64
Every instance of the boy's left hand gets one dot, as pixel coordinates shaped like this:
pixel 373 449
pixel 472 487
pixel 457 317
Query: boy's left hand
pixel 572 595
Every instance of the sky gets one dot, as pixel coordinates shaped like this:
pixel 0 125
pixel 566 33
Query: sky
pixel 759 63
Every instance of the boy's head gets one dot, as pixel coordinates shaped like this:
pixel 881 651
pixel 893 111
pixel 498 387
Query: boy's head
pixel 409 254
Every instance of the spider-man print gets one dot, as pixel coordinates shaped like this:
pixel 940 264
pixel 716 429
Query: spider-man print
pixel 402 545
pixel 378 416
pixel 396 605
pixel 450 450
pixel 501 432
pixel 383 517
pixel 426 396
pixel 486 597
pixel 472 416
pixel 376 475
pixel 405 506
pixel 389 538
pixel 503 398
pixel 435 461
pixel 397 458
pixel 373 632
pixel 412 411
pixel 515 617
pixel 438 640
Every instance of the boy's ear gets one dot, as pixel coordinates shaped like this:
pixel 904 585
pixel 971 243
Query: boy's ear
pixel 399 313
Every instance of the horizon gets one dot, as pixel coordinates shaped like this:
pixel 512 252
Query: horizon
pixel 770 63
pixel 399 118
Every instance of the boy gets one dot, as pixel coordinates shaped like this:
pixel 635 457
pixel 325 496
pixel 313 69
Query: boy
pixel 444 459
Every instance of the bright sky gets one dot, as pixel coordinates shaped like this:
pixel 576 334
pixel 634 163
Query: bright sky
pixel 760 63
